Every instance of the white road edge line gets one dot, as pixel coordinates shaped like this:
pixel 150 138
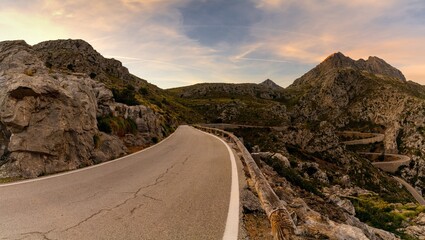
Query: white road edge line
pixel 85 168
pixel 231 230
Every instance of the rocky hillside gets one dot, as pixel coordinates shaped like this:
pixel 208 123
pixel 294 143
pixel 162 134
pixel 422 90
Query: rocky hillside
pixel 250 104
pixel 64 106
pixel 303 154
pixel 369 96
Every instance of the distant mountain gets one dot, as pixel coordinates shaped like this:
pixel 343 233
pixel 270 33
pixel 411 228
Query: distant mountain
pixel 368 96
pixel 246 103
pixel 269 83
pixel 373 65
pixel 339 94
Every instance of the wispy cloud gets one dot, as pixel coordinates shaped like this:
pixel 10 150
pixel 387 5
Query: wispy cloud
pixel 173 43
pixel 263 60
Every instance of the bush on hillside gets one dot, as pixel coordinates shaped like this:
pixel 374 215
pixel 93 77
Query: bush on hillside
pixel 126 95
pixel 116 125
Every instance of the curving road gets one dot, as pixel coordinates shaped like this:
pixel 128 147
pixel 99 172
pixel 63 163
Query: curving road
pixel 387 166
pixel 178 189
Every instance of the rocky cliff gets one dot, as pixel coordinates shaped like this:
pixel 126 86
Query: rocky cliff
pixel 56 114
pixel 369 96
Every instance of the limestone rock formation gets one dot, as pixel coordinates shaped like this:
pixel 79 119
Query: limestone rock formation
pixel 79 56
pixel 365 95
pixel 418 230
pixel 48 117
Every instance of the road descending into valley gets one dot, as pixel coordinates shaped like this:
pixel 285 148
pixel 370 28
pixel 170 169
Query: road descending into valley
pixel 177 189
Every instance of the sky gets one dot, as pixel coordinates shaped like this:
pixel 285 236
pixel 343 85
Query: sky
pixel 175 43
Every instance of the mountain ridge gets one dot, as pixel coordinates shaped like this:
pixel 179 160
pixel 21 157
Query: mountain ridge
pixel 338 61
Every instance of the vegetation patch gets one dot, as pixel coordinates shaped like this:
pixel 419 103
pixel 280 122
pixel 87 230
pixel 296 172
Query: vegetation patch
pixel 126 95
pixel 9 179
pixel 116 125
pixel 378 213
pixel 293 176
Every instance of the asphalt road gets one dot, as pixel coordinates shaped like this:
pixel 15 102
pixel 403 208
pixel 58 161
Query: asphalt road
pixel 178 189
pixel 412 190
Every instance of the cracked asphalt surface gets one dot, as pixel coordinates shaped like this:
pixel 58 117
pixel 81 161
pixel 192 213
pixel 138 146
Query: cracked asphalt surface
pixel 178 189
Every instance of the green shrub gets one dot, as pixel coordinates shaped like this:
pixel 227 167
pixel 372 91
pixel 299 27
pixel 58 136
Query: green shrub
pixel 292 176
pixel 116 125
pixel 143 91
pixel 96 140
pixel 378 213
pixel 126 95
pixel 103 124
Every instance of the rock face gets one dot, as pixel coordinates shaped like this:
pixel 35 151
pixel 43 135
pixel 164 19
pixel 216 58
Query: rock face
pixel 418 230
pixel 48 117
pixel 368 96
pixel 79 56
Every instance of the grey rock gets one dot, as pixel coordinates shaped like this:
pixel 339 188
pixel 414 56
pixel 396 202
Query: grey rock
pixel 250 202
pixel 48 119
pixel 276 156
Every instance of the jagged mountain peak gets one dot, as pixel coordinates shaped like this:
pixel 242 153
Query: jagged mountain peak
pixel 269 83
pixel 377 65
pixel 338 61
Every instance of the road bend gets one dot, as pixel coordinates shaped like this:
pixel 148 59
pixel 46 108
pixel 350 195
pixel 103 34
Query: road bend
pixel 178 189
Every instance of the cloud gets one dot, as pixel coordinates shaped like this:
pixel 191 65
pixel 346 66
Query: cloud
pixel 33 30
pixel 172 43
pixel 218 21
pixel 307 31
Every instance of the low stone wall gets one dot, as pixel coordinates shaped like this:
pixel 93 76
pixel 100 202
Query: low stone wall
pixel 389 166
pixel 281 222
pixel 367 138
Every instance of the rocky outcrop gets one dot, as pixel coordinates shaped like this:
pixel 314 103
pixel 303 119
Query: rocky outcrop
pixel 79 56
pixel 48 118
pixel 368 96
pixel 51 119
pixel 418 230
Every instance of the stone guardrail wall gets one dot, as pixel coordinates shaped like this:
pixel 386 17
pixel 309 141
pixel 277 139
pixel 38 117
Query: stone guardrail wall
pixel 389 166
pixel 282 225
pixel 223 126
pixel 367 138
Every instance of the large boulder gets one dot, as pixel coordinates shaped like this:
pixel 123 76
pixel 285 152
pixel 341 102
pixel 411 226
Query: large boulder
pixel 47 119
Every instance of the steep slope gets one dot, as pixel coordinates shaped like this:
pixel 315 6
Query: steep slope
pixel 48 119
pixel 305 157
pixel 78 56
pixel 64 106
pixel 368 96
pixel 250 104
